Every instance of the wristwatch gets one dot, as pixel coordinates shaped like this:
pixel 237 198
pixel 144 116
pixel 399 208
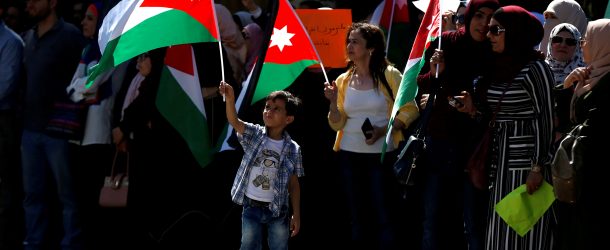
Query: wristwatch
pixel 536 168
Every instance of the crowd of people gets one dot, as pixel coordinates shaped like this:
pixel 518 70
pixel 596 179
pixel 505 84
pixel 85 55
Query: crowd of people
pixel 498 68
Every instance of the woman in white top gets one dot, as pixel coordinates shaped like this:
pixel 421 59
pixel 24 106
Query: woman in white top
pixel 366 92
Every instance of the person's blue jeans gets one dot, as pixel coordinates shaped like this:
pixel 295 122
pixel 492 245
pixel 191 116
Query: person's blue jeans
pixel 253 218
pixel 42 156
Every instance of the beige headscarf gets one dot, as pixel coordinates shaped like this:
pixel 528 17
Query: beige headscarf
pixel 598 33
pixel 566 11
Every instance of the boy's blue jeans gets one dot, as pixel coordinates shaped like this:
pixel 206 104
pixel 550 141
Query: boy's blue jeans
pixel 253 218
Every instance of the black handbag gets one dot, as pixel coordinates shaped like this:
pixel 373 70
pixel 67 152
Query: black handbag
pixel 405 167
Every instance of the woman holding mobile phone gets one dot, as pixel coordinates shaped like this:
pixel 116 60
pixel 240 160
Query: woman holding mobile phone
pixel 448 195
pixel 366 92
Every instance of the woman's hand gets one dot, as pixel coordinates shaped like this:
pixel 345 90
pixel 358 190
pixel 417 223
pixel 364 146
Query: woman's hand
pixel 533 182
pixel 437 58
pixel 424 100
pixel 467 104
pixel 397 125
pixel 580 75
pixel 378 132
pixel 119 140
pixel 330 92
pixel 448 21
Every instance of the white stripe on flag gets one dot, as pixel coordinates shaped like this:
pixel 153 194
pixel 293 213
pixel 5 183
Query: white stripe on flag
pixel 115 21
pixel 140 14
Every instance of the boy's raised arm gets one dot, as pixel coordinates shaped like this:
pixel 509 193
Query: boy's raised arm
pixel 226 90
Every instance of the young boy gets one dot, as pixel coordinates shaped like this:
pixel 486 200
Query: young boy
pixel 268 173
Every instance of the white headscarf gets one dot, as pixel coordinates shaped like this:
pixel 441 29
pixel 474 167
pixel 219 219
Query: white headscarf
pixel 566 11
pixel 561 69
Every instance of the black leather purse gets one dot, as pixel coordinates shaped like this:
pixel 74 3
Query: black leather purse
pixel 405 167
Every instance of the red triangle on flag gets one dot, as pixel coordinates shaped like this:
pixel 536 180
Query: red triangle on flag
pixel 178 57
pixel 289 42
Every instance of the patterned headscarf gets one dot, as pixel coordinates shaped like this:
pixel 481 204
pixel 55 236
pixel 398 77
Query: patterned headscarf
pixel 566 11
pixel 561 69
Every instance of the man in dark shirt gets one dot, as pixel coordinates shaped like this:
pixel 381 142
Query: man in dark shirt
pixel 52 52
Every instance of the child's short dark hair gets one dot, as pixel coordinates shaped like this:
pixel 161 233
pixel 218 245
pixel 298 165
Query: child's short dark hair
pixel 292 102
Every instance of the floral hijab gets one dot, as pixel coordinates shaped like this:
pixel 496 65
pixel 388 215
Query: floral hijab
pixel 562 69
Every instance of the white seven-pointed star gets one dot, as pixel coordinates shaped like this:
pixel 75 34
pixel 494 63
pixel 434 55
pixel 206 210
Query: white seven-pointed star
pixel 281 38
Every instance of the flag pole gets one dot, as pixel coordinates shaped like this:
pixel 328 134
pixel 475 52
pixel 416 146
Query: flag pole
pixel 440 30
pixel 387 45
pixel 222 63
pixel 222 67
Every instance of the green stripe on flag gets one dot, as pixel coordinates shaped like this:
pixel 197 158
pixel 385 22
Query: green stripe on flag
pixel 155 32
pixel 106 62
pixel 168 28
pixel 408 87
pixel 176 106
pixel 278 77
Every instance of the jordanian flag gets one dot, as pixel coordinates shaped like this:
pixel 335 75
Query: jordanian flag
pixel 428 31
pixel 133 27
pixel 290 52
pixel 180 101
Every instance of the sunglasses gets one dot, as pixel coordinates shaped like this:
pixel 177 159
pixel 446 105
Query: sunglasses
pixel 569 41
pixel 457 19
pixel 496 30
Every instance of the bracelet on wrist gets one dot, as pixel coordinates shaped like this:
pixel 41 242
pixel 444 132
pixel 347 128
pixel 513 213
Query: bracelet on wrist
pixel 536 168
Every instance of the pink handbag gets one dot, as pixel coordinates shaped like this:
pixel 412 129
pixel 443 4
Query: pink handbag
pixel 116 186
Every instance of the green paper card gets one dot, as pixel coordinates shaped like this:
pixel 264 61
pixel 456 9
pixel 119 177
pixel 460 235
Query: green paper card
pixel 521 210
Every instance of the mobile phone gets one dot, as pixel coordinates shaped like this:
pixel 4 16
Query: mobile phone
pixel 455 102
pixel 367 128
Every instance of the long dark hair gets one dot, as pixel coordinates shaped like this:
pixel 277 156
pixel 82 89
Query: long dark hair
pixel 375 39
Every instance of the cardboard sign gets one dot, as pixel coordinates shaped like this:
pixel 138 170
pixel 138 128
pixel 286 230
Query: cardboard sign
pixel 327 29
